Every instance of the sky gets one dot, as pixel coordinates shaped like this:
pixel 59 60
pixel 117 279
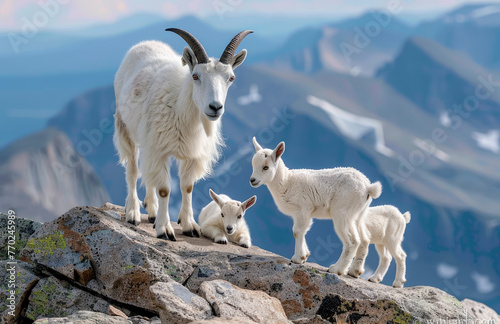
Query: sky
pixel 61 14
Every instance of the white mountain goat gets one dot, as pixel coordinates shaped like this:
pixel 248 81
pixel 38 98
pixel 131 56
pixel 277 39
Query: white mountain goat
pixel 224 216
pixel 165 109
pixel 385 227
pixel 340 194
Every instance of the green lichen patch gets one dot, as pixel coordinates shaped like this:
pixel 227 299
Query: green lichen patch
pixel 47 244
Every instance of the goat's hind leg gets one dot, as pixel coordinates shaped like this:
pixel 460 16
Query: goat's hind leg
pixel 358 265
pixel 348 233
pixel 383 263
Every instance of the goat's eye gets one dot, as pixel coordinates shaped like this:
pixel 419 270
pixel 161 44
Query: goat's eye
pixel 195 77
pixel 265 168
pixel 239 216
pixel 231 78
pixel 222 215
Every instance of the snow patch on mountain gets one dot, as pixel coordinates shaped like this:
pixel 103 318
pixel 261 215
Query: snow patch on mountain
pixel 488 141
pixel 354 126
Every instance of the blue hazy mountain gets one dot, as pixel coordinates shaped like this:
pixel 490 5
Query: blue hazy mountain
pixel 439 80
pixel 42 176
pixel 358 45
pixel 473 29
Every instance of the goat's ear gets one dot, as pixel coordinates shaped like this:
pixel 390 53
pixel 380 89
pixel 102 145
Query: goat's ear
pixel 256 145
pixel 215 198
pixel 189 58
pixel 238 59
pixel 248 203
pixel 278 151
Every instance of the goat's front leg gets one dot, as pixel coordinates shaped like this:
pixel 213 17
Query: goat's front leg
pixel 215 233
pixel 132 203
pixel 151 203
pixel 300 228
pixel 156 175
pixel 189 172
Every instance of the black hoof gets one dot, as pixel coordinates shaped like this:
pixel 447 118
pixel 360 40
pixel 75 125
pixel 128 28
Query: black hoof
pixel 145 205
pixel 154 225
pixel 179 221
pixel 152 219
pixel 171 237
pixel 244 245
pixel 191 233
pixel 166 236
pixel 162 237
pixel 133 222
pixel 221 242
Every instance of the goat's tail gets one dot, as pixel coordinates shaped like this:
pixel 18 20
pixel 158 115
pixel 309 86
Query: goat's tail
pixel 122 141
pixel 407 217
pixel 375 190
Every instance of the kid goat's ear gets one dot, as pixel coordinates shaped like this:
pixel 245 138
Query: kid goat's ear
pixel 215 198
pixel 256 145
pixel 278 151
pixel 248 203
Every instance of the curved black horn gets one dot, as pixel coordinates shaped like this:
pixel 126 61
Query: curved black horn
pixel 228 53
pixel 195 45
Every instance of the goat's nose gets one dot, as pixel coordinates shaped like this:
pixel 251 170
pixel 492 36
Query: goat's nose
pixel 229 229
pixel 215 106
pixel 252 180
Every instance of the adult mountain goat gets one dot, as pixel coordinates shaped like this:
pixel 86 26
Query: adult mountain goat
pixel 165 108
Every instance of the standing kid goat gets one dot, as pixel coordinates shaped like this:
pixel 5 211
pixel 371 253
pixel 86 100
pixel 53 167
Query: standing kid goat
pixel 165 108
pixel 385 227
pixel 339 194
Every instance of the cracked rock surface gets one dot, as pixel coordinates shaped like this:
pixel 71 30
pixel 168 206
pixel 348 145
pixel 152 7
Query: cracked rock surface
pixel 90 266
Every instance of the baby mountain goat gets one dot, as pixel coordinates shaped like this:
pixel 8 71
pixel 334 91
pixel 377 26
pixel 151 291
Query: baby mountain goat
pixel 384 227
pixel 339 194
pixel 224 216
pixel 170 106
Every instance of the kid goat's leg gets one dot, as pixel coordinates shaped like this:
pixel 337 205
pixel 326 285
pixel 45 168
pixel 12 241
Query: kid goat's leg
pixel 349 236
pixel 358 266
pixel 400 257
pixel 383 263
pixel 189 172
pixel 300 228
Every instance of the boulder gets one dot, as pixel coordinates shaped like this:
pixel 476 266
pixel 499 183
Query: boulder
pixel 85 317
pixel 52 297
pixel 195 279
pixel 23 229
pixel 231 302
pixel 177 304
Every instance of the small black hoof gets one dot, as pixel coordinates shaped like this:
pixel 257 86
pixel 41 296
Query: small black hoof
pixel 162 237
pixel 179 221
pixel 188 233
pixel 171 237
pixel 152 219
pixel 133 222
pixel 244 245
pixel 154 225
pixel 221 242
pixel 145 205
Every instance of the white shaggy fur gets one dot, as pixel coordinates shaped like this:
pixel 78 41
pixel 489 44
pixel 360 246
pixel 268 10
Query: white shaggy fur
pixel 385 227
pixel 340 194
pixel 223 218
pixel 164 112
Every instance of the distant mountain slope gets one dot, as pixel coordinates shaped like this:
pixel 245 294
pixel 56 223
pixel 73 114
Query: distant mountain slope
pixel 439 80
pixel 472 28
pixel 42 176
pixel 349 46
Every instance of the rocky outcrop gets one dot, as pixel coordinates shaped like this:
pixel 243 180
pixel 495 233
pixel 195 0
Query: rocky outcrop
pixel 89 264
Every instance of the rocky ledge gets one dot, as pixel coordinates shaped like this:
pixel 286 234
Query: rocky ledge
pixel 90 266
